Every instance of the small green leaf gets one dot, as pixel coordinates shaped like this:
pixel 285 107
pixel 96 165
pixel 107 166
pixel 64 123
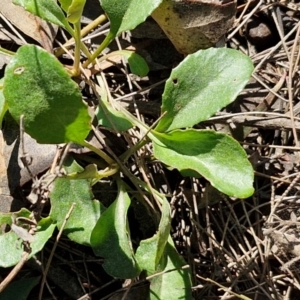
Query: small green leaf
pixel 110 238
pixel 216 156
pixel 201 85
pixel 86 212
pixel 111 118
pixel 175 284
pixel 45 9
pixel 75 11
pixel 127 14
pixel 37 86
pixel 73 8
pixel 108 116
pixel 11 248
pixel 150 251
pixel 65 4
pixel 137 64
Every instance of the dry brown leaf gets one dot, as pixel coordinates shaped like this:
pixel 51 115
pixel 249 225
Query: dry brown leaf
pixel 5 196
pixel 38 29
pixel 4 60
pixel 12 174
pixel 195 24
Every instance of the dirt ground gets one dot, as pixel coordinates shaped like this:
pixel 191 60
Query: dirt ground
pixel 234 247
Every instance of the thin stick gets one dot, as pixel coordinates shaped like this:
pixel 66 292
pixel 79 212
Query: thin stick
pixel 278 45
pixel 53 250
pixel 290 89
pixel 14 271
pixel 16 32
pixel 245 20
pixel 224 288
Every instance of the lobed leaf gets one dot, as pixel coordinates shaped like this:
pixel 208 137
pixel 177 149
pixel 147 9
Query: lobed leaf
pixel 216 156
pixel 38 87
pixel 201 85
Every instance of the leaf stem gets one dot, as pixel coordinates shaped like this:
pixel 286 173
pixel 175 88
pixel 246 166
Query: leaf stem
pixel 124 157
pixel 98 51
pixel 101 153
pixel 6 52
pixel 77 38
pixel 106 173
pixel 101 19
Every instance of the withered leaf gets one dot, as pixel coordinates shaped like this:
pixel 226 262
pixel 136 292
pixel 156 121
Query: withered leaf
pixel 195 24
pixel 38 29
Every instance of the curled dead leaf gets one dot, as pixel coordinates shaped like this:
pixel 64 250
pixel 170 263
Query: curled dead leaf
pixel 36 28
pixel 195 24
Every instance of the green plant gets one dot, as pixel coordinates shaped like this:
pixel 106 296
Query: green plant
pixel 38 89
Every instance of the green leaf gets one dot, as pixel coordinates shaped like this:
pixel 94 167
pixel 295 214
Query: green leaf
pixel 11 248
pixel 73 8
pixel 201 85
pixel 5 218
pixel 127 14
pixel 37 86
pixel 111 118
pixel 86 212
pixel 89 172
pixel 110 238
pixel 150 251
pixel 65 4
pixel 137 64
pixel 108 116
pixel 45 9
pixel 19 289
pixel 174 284
pixel 216 156
pixel 3 103
pixel 75 11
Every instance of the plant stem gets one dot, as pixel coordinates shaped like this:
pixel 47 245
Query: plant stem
pixel 103 45
pixel 7 52
pixel 85 50
pixel 143 127
pixel 101 19
pixel 77 38
pixel 82 45
pixel 101 153
pixel 106 173
pixel 124 157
